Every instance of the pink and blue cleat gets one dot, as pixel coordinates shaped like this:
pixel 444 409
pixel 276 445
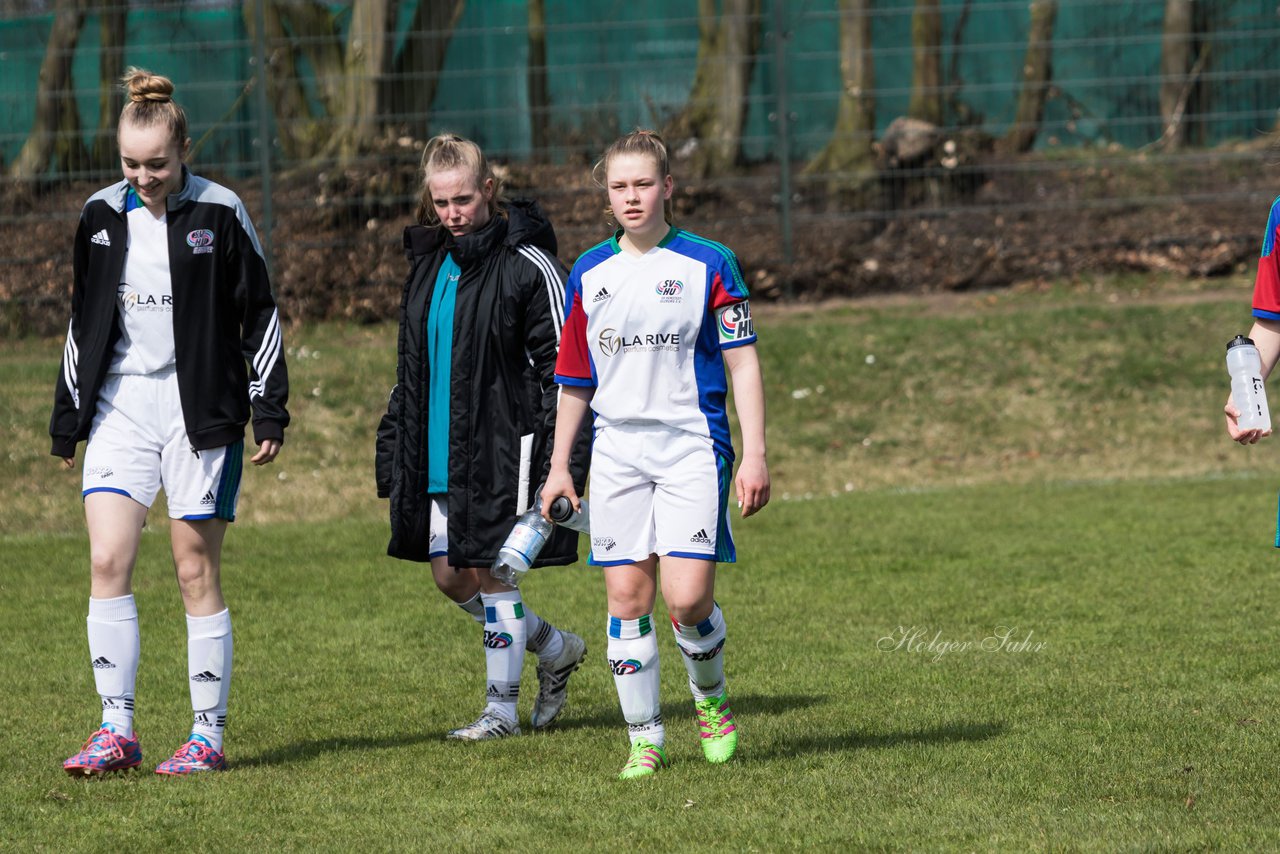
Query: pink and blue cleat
pixel 194 757
pixel 106 752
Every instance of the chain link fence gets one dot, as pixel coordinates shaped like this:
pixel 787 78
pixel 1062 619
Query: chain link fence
pixel 840 146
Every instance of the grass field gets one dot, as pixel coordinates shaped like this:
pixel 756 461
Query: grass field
pixel 1016 591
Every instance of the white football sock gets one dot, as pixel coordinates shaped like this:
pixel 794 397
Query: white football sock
pixel 505 638
pixel 209 669
pixel 113 651
pixel 545 640
pixel 703 648
pixel 633 657
pixel 474 607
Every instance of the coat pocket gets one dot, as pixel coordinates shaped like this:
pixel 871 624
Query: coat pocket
pixel 384 450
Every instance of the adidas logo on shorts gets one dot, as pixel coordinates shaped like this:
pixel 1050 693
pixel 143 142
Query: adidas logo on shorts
pixel 208 498
pixel 701 538
pixel 101 238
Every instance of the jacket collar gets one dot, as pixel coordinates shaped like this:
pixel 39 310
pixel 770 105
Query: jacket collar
pixel 475 246
pixel 117 194
pixel 429 239
pixel 522 222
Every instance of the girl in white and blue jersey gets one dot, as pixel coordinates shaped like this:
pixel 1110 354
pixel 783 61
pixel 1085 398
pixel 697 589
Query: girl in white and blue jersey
pixel 654 315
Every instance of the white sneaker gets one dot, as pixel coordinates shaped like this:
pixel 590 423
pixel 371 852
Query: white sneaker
pixel 553 681
pixel 487 726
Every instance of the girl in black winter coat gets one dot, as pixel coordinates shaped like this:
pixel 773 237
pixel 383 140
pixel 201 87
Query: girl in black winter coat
pixel 467 435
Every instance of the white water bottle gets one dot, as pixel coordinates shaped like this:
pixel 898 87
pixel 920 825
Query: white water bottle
pixel 562 513
pixel 522 546
pixel 1247 390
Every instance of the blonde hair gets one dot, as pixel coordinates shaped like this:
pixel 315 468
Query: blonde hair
pixel 446 152
pixel 645 143
pixel 150 102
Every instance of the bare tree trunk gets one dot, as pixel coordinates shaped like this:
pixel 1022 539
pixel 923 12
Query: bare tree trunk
pixel 926 68
pixel 300 135
pixel 539 98
pixel 111 30
pixel 1037 74
pixel 1175 62
pixel 850 149
pixel 56 129
pixel 960 112
pixel 70 154
pixel 364 64
pixel 355 88
pixel 315 34
pixel 713 118
pixel 415 75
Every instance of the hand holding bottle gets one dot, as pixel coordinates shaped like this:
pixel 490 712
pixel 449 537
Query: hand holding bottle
pixel 530 534
pixel 563 513
pixel 1248 415
pixel 559 484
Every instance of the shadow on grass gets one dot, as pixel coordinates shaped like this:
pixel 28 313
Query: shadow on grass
pixel 833 742
pixel 797 741
pixel 598 716
pixel 305 751
pixel 610 715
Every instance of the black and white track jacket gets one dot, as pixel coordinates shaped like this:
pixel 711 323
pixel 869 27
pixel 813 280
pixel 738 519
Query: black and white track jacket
pixel 226 329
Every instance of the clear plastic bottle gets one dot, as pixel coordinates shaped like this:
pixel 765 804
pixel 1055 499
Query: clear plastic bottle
pixel 562 513
pixel 1247 389
pixel 522 546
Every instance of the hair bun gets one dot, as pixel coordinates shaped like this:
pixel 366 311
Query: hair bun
pixel 142 86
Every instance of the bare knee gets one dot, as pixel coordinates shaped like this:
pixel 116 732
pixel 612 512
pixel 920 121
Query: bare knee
pixel 630 607
pixel 688 588
pixel 690 611
pixel 459 585
pixel 197 556
pixel 109 573
pixel 198 578
pixel 630 592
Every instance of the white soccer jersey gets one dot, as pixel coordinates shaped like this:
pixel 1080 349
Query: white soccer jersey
pixel 647 333
pixel 144 300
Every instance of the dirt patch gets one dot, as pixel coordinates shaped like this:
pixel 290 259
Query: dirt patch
pixel 336 240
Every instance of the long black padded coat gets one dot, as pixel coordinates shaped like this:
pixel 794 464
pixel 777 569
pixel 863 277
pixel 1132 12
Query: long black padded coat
pixel 508 316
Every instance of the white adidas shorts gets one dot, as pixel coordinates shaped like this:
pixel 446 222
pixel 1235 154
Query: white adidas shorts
pixel 438 526
pixel 138 444
pixel 658 490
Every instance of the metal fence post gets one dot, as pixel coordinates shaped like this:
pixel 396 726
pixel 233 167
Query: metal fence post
pixel 782 115
pixel 263 140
